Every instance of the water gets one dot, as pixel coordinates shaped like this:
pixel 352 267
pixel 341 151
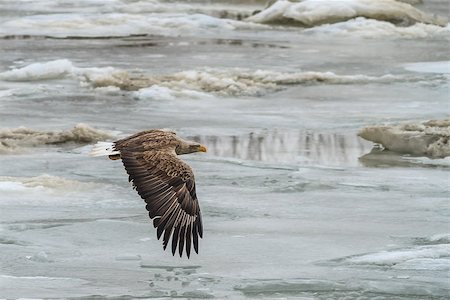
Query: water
pixel 295 205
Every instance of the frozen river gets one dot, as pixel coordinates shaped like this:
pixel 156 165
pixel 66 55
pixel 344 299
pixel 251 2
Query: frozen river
pixel 295 205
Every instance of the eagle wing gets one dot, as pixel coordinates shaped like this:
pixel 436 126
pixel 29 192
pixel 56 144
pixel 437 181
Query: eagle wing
pixel 167 185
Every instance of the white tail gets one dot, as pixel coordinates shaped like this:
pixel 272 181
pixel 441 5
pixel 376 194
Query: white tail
pixel 103 149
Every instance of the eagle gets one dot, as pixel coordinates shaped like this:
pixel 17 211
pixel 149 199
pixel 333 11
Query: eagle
pixel 164 181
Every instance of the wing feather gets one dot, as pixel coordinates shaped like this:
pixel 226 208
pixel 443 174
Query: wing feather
pixel 188 237
pixel 181 240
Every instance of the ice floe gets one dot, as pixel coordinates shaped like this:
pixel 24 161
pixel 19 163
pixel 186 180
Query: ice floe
pixel 54 69
pixel 442 67
pixel 431 138
pixel 41 181
pixel 164 93
pixel 117 24
pixel 317 12
pixel 39 71
pixel 402 256
pixel 370 28
pixel 119 18
pixel 13 140
pixel 224 82
pixel 222 10
pixel 192 83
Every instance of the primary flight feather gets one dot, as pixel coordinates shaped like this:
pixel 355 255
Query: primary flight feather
pixel 165 182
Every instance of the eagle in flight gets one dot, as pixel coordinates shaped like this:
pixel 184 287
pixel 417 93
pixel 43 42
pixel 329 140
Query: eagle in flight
pixel 165 182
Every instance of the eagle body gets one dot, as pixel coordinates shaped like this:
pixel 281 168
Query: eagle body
pixel 165 182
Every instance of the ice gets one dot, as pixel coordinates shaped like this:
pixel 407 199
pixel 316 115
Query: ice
pixel 11 186
pixel 157 92
pixel 440 238
pixel 118 24
pixel 14 140
pixel 58 69
pixel 193 83
pixel 442 67
pixel 294 205
pixel 226 82
pixel 221 9
pixel 369 28
pixel 395 257
pixel 39 257
pixel 317 12
pixel 44 180
pixel 423 139
pixel 42 285
pixel 39 71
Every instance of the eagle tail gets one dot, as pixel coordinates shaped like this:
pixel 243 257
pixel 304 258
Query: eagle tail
pixel 104 149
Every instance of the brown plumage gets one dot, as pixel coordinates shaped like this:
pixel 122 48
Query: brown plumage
pixel 165 182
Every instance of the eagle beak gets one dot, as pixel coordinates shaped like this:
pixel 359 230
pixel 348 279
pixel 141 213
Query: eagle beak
pixel 202 148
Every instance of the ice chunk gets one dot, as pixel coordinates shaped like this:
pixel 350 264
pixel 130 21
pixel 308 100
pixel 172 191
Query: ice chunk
pixel 370 28
pixel 13 140
pixel 193 83
pixel 225 82
pixel 11 186
pixel 422 139
pixel 116 24
pixel 317 12
pixel 44 180
pixel 39 71
pixel 442 67
pixel 394 257
pixel 129 257
pixel 165 93
pixel 41 256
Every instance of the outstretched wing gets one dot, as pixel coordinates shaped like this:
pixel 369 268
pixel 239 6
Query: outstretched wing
pixel 167 185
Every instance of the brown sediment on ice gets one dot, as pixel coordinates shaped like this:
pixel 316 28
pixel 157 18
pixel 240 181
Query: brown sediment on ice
pixel 206 81
pixel 234 82
pixel 430 138
pixel 15 140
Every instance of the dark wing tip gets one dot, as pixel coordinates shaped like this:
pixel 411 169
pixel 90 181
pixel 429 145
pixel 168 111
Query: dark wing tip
pixel 170 201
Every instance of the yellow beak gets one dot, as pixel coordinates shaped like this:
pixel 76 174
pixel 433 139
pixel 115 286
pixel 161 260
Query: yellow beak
pixel 202 148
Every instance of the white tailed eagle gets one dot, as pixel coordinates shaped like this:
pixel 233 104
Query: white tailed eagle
pixel 165 182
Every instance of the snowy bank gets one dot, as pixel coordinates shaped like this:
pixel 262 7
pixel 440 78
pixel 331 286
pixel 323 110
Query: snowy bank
pixel 316 12
pixel 423 139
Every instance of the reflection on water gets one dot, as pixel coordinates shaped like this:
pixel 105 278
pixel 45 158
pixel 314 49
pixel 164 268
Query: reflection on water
pixel 289 146
pixel 382 158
